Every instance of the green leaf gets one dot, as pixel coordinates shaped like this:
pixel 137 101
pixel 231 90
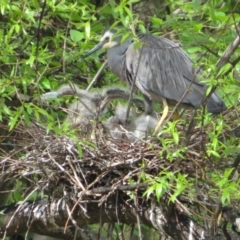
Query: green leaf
pixel 50 126
pixel 80 152
pixel 29 109
pixel 129 13
pixel 176 137
pixel 159 190
pixel 17 28
pixel 194 49
pixel 14 120
pixel 6 110
pixel 228 172
pixel 45 83
pixel 125 36
pixel 215 143
pixel 149 191
pixel 30 61
pixel 212 13
pixel 221 16
pixel 3 6
pixel 214 153
pixel 26 117
pixel 143 176
pixel 142 28
pixel 224 69
pixel 208 90
pixel 118 9
pixel 76 36
pixel 225 197
pixel 198 27
pixel 87 30
pixel 196 4
pixel 156 20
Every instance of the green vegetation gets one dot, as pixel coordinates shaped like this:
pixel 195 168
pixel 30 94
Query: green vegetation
pixel 42 41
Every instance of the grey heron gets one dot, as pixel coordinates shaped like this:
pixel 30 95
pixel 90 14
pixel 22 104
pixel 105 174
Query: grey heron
pixel 90 105
pixel 161 69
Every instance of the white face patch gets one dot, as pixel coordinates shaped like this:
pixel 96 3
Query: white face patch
pixel 107 37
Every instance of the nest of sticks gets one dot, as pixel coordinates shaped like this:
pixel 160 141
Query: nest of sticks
pixel 100 167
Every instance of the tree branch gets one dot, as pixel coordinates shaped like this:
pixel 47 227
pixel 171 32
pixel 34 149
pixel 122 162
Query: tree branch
pixel 229 51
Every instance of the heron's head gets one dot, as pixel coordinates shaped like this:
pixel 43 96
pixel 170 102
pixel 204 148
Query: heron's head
pixel 108 40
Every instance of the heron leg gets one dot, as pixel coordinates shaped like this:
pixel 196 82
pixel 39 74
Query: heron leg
pixel 164 115
pixel 148 105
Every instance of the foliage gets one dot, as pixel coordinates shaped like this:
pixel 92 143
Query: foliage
pixel 42 42
pixel 168 182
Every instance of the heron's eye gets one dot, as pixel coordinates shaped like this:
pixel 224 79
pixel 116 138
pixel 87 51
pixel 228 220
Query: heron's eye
pixel 107 39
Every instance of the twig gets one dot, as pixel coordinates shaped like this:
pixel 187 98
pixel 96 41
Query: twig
pixel 101 190
pixel 229 51
pixel 97 75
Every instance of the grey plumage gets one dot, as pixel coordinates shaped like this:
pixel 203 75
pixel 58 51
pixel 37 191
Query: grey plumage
pixel 90 105
pixel 166 70
pixel 144 125
pixel 116 125
pixel 137 126
pixel 162 70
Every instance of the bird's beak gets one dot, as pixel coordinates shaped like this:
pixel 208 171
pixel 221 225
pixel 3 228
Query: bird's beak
pixel 93 50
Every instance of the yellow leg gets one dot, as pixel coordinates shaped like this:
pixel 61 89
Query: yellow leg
pixel 164 115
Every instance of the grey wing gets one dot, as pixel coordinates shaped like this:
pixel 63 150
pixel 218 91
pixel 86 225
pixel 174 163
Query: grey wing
pixel 162 68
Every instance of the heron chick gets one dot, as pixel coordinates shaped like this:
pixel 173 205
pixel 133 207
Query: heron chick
pixel 145 125
pixel 161 70
pixel 135 128
pixel 118 127
pixel 90 105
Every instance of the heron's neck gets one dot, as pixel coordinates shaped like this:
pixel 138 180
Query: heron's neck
pixel 116 58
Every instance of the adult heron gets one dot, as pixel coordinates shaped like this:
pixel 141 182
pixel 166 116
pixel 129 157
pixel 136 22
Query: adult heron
pixel 161 70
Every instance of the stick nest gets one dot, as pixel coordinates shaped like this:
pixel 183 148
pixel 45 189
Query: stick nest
pixel 97 168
